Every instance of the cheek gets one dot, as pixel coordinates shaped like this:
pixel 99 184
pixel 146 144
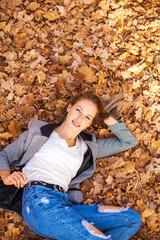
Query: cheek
pixel 88 123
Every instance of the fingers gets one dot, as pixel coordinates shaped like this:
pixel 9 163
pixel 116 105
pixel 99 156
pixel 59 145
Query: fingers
pixel 18 179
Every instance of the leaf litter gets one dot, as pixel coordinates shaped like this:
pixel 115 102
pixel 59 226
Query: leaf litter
pixel 50 51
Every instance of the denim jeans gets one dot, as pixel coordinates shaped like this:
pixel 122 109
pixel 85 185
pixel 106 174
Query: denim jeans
pixel 49 213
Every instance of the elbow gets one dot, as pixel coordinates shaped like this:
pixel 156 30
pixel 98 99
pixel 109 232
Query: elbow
pixel 133 143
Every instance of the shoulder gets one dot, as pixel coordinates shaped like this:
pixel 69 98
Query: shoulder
pixel 87 136
pixel 36 124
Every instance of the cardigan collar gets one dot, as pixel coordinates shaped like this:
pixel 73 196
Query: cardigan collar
pixel 47 129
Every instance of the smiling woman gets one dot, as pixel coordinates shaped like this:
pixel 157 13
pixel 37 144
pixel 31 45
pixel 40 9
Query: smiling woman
pixel 56 159
pixel 79 117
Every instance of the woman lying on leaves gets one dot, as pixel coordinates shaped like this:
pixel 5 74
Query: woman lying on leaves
pixel 55 159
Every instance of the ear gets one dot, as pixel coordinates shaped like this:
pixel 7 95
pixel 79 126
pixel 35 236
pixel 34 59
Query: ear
pixel 69 107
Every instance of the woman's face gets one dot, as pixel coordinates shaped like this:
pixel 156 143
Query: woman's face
pixel 81 114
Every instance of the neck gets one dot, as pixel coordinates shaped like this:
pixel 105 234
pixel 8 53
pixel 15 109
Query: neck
pixel 65 133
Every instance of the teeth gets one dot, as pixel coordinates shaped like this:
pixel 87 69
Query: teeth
pixel 76 124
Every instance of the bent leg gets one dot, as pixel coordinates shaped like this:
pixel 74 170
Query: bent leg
pixel 119 222
pixel 49 214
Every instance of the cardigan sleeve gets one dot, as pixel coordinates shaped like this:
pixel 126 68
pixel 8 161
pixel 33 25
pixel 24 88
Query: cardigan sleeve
pixel 13 152
pixel 122 141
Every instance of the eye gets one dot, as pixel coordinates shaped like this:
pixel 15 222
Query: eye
pixel 88 118
pixel 77 109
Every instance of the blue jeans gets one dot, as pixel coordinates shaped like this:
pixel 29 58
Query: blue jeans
pixel 49 213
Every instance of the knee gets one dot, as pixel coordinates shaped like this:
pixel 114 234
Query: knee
pixel 135 218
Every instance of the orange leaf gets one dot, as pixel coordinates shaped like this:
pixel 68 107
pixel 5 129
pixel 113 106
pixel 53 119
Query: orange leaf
pixel 12 129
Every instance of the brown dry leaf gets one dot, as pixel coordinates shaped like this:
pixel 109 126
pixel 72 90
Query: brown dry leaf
pixel 69 4
pixel 8 235
pixel 39 60
pixel 145 176
pixel 109 180
pixel 33 6
pixel 117 164
pixel 67 44
pixel 88 73
pixel 2 25
pixel 62 10
pixel 97 188
pixel 77 58
pixel 40 77
pixel 117 45
pixel 6 85
pixel 19 90
pixel 30 99
pixel 18 2
pixel 60 105
pixel 24 17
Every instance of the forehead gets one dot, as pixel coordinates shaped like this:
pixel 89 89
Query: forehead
pixel 87 106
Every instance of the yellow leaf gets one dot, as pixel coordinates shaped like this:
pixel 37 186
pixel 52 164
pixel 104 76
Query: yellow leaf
pixel 129 167
pixel 64 59
pixel 51 16
pixel 16 231
pixel 147 213
pixel 148 116
pixel 48 106
pixel 72 21
pixel 5 135
pixel 2 25
pixel 155 144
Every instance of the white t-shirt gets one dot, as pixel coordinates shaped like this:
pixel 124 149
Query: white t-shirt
pixel 55 162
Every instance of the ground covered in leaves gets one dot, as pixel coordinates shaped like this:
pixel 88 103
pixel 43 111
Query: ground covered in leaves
pixel 50 51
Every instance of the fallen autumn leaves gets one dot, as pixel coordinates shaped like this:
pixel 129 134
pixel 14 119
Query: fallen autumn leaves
pixel 50 50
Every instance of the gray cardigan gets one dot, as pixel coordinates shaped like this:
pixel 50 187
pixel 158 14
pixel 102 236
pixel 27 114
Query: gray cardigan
pixel 29 142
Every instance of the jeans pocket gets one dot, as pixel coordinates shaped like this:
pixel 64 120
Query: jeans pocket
pixel 29 214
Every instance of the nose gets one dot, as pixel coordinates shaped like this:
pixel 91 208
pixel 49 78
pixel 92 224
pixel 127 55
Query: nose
pixel 80 118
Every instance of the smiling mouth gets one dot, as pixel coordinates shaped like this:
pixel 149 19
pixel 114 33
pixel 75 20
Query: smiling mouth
pixel 75 124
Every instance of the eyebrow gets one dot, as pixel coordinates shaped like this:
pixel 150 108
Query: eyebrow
pixel 82 110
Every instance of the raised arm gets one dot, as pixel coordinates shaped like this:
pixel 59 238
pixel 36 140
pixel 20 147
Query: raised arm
pixel 122 141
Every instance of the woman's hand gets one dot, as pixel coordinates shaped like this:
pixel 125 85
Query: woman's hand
pixel 18 179
pixel 110 121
